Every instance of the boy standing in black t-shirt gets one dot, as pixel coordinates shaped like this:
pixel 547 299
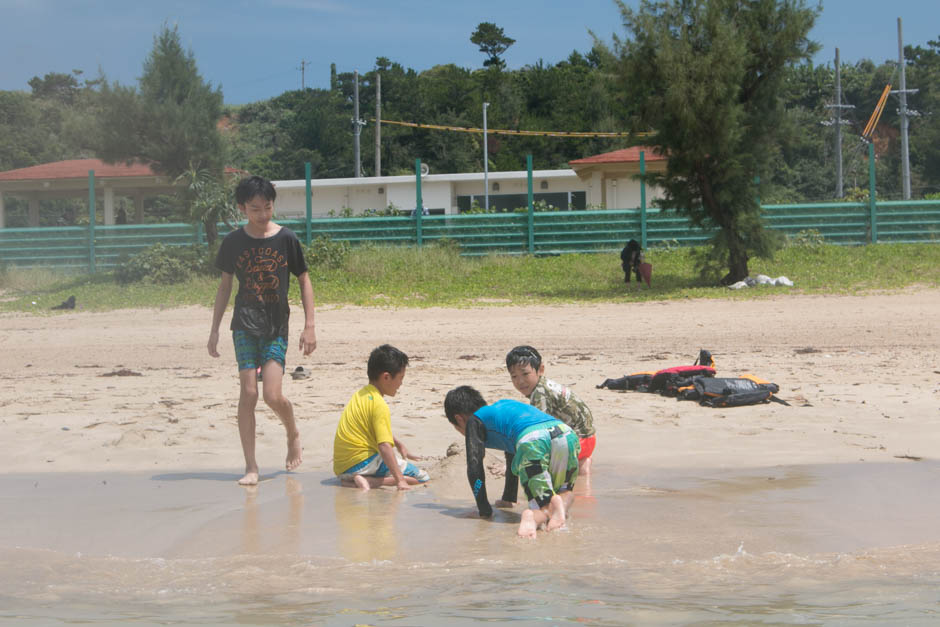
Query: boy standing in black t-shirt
pixel 263 255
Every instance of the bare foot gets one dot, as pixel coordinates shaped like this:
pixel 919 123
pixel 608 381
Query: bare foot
pixel 361 483
pixel 556 514
pixel 250 478
pixel 527 525
pixel 295 452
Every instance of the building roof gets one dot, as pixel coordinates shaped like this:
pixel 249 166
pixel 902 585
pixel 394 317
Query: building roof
pixel 77 169
pixel 626 155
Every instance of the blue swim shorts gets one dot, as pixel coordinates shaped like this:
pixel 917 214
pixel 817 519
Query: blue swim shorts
pixel 253 352
pixel 375 467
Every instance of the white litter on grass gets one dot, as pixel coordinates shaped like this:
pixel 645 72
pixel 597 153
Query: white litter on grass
pixel 761 279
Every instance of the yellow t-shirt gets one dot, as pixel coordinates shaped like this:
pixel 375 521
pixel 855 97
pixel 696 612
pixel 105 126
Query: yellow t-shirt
pixel 365 423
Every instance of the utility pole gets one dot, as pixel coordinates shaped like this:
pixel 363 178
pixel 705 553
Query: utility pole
pixel 303 66
pixel 903 112
pixel 357 124
pixel 378 124
pixel 486 162
pixel 838 106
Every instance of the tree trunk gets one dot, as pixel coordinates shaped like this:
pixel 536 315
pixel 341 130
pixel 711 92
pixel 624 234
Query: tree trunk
pixel 212 231
pixel 737 264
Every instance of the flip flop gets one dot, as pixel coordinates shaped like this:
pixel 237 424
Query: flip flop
pixel 300 373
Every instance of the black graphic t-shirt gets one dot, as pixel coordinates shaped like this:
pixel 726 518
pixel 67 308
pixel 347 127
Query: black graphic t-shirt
pixel 263 268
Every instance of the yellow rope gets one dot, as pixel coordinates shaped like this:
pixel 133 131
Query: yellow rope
pixel 503 131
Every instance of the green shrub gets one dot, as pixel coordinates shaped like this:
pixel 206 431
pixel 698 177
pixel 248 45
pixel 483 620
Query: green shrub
pixel 324 252
pixel 446 244
pixel 164 265
pixel 807 238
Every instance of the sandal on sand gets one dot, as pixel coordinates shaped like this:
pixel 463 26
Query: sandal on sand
pixel 300 373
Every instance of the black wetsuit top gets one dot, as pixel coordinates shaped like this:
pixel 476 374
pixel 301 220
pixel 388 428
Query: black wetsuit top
pixel 476 448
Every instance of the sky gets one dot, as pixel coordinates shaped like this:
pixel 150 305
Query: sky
pixel 255 50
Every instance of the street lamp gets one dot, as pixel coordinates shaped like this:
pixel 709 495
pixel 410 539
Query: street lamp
pixel 486 163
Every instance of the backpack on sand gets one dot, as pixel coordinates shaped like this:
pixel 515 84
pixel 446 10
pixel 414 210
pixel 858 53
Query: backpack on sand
pixel 730 392
pixel 668 380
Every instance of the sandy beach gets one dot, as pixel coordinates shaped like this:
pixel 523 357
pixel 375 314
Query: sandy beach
pixel 136 390
pixel 121 443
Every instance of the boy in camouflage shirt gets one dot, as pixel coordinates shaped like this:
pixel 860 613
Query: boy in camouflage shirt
pixel 528 376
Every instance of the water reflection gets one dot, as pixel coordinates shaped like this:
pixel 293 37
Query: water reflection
pixel 289 541
pixel 366 522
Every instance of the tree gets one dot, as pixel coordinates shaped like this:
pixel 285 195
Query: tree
pixel 57 86
pixel 171 122
pixel 706 78
pixel 210 199
pixel 924 68
pixel 492 42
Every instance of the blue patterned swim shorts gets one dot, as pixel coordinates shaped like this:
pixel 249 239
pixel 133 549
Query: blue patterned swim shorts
pixel 253 352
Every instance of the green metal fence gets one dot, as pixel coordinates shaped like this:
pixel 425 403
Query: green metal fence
pixel 70 247
pixel 541 233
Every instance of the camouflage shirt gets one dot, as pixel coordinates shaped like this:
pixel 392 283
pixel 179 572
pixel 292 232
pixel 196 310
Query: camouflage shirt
pixel 560 402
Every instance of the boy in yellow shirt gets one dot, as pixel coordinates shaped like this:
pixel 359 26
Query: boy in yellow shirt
pixel 364 452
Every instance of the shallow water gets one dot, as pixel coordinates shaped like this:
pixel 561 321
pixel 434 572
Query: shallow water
pixel 841 544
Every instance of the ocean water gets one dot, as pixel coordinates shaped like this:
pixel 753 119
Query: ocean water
pixel 855 544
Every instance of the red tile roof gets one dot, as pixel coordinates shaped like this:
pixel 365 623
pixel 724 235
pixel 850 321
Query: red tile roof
pixel 627 155
pixel 76 169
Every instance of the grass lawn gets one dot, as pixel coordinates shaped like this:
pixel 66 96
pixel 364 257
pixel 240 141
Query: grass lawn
pixel 436 276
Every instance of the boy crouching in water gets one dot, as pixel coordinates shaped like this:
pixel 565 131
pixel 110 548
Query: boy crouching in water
pixel 542 451
pixel 528 376
pixel 364 448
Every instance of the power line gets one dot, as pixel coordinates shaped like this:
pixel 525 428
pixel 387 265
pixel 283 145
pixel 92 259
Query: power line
pixel 497 131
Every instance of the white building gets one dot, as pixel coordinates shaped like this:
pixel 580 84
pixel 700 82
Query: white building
pixel 602 181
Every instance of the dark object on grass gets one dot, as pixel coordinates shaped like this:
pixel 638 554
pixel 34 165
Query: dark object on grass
pixel 630 259
pixel 68 303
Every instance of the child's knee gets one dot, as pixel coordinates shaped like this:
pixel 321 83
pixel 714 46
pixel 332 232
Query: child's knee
pixel 274 399
pixel 249 394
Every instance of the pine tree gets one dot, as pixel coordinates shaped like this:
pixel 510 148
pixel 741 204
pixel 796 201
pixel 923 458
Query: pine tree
pixel 706 77
pixel 171 121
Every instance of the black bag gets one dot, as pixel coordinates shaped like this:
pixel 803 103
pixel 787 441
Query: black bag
pixel 730 392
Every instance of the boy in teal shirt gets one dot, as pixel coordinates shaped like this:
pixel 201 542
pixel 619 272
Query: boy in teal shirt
pixel 540 450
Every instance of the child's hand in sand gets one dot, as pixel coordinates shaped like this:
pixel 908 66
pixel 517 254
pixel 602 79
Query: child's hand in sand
pixel 405 452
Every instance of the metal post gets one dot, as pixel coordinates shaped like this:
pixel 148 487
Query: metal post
pixel 486 162
pixel 838 127
pixel 872 206
pixel 91 221
pixel 357 127
pixel 309 195
pixel 838 106
pixel 530 222
pixel 419 203
pixel 378 124
pixel 643 199
pixel 905 154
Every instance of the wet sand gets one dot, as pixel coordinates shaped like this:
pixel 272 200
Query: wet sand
pixel 194 548
pixel 122 452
